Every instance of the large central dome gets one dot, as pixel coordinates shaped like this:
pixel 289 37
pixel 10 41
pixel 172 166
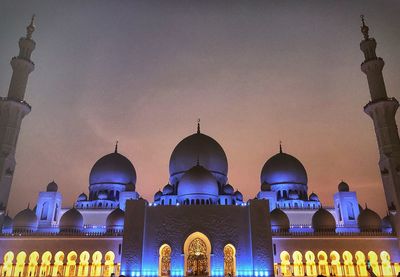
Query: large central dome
pixel 198 148
pixel 113 168
pixel 283 169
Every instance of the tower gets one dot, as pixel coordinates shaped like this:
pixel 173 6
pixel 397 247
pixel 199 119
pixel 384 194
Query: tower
pixel 13 108
pixel 48 206
pixel 346 207
pixel 382 110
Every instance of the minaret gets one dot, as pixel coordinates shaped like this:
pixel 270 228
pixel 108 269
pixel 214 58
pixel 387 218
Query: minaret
pixel 13 108
pixel 382 110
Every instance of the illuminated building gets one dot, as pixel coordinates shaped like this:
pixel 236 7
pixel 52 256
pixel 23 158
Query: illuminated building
pixel 198 224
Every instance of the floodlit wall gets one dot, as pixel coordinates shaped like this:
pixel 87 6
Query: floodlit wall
pixel 220 225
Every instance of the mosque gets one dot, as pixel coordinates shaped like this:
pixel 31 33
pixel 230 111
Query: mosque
pixel 199 224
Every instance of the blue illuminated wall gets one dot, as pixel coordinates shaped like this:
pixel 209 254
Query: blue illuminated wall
pixel 245 227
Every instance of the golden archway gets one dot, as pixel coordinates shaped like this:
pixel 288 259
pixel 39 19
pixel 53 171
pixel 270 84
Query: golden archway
pixel 109 263
pixel 7 264
pixel 45 265
pixel 83 268
pixel 229 260
pixel 96 264
pixel 164 261
pixel 197 249
pixel 285 263
pixel 20 265
pixel 335 263
pixel 33 263
pixel 298 267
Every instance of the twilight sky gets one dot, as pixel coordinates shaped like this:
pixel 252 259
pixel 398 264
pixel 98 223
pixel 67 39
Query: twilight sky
pixel 255 73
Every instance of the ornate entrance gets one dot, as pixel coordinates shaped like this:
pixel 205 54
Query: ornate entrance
pixel 197 262
pixel 229 260
pixel 197 250
pixel 165 260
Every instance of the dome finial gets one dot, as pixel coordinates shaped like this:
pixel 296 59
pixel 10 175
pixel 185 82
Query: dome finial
pixel 198 125
pixel 364 28
pixel 280 147
pixel 31 27
pixel 116 147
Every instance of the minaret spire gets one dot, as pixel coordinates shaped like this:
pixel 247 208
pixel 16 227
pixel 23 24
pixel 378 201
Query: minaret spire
pixel 31 28
pixel 364 28
pixel 198 126
pixel 280 147
pixel 13 109
pixel 116 147
pixel 382 110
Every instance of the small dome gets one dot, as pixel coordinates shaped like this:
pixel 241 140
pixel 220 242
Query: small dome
pixel 194 148
pixel 323 220
pixel 279 220
pixel 82 197
pixel 157 195
pixel 115 220
pixel 71 220
pixel 7 222
pixel 102 195
pixel 343 186
pixel 168 189
pixel 293 195
pixel 313 197
pixel 228 189
pixel 387 223
pixel 113 168
pixel 52 186
pixel 368 220
pixel 265 186
pixel 25 220
pixel 198 181
pixel 238 195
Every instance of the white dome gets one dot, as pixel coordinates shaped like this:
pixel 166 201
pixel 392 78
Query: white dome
pixel 368 220
pixel 25 221
pixel 198 181
pixel 115 220
pixel 279 220
pixel 323 220
pixel 72 220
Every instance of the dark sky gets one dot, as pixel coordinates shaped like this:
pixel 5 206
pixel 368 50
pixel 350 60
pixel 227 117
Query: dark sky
pixel 255 73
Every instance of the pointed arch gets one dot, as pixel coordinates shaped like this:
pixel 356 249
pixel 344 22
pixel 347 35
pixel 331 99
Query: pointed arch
pixel 58 267
pixel 20 264
pixel 33 263
pixel 96 264
pixel 335 263
pixel 229 260
pixel 70 269
pixel 360 264
pixel 373 260
pixel 8 260
pixel 298 266
pixel 323 268
pixel 109 263
pixel 348 264
pixel 386 264
pixel 45 264
pixel 311 268
pixel 197 252
pixel 164 260
pixel 285 263
pixel 83 268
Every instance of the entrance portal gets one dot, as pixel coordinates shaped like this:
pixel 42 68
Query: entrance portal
pixel 197 249
pixel 197 263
